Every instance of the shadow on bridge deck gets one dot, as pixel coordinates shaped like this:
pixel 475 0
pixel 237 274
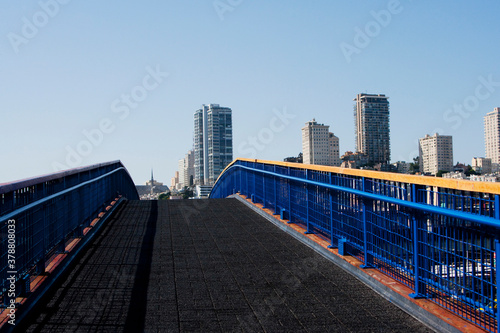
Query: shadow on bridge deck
pixel 208 265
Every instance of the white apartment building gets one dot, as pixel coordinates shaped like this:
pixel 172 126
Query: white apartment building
pixel 492 136
pixel 182 169
pixel 319 145
pixel 402 166
pixel 189 168
pixel 436 153
pixel 483 178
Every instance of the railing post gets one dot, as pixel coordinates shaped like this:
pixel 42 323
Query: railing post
pixel 263 191
pixel 233 177
pixel 308 231
pixel 289 198
pixel 332 245
pixel 497 257
pixel 61 247
pixel 366 206
pixel 238 180
pixel 420 288
pixel 24 285
pixel 254 184
pixel 275 193
pixel 497 206
pixel 419 284
pixel 40 267
pixel 247 194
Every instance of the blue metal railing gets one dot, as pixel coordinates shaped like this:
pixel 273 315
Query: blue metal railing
pixel 438 238
pixel 49 210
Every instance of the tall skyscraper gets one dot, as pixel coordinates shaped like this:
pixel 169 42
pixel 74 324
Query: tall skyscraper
pixel 186 169
pixel 189 168
pixel 492 136
pixel 435 153
pixel 213 142
pixel 371 120
pixel 182 169
pixel 319 145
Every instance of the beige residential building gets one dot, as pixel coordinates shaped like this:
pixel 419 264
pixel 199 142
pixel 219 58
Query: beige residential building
pixel 492 135
pixel 481 165
pixel 174 184
pixel 319 145
pixel 436 153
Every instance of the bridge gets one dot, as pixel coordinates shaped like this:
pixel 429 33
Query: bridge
pixel 278 247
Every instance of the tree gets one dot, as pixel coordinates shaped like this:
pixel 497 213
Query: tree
pixel 164 196
pixel 469 171
pixel 441 173
pixel 187 193
pixel 414 166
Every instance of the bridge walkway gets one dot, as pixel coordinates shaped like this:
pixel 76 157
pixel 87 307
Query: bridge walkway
pixel 208 265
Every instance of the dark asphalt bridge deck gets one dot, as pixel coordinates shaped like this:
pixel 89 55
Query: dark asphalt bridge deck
pixel 208 265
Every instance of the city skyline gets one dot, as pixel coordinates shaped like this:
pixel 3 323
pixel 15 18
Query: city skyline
pixel 89 82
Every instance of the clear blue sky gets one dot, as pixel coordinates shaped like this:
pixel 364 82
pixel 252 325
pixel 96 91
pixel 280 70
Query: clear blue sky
pixel 69 68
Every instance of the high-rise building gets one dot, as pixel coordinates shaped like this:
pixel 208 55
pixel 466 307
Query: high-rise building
pixel 319 145
pixel 435 153
pixel 174 184
pixel 182 169
pixel 213 142
pixel 492 136
pixel 333 141
pixel 189 168
pixel 371 121
pixel 200 142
